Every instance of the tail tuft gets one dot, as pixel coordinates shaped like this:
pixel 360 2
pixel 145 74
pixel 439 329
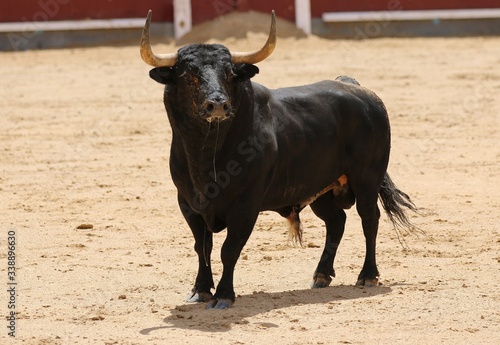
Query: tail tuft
pixel 394 202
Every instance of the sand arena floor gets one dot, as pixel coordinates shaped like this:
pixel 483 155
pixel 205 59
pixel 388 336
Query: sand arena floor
pixel 84 139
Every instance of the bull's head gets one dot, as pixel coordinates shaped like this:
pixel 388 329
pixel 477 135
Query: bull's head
pixel 203 80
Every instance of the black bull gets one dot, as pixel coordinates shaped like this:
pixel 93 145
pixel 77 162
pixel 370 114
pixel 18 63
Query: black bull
pixel 239 148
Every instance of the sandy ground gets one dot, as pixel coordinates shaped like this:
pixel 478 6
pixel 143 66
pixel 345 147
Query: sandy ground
pixel 84 139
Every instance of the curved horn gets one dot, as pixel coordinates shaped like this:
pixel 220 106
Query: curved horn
pixel 261 54
pixel 163 60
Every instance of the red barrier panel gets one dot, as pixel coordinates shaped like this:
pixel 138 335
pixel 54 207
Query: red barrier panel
pixel 202 10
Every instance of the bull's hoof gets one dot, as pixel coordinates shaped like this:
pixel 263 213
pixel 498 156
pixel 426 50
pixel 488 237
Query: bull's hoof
pixel 220 304
pixel 321 281
pixel 367 282
pixel 197 297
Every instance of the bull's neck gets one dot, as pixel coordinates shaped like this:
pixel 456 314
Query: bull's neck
pixel 204 145
pixel 199 136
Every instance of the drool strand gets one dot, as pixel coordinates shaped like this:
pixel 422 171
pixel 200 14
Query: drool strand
pixel 215 149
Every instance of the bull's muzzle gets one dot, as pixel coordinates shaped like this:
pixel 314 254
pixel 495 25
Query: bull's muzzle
pixel 217 109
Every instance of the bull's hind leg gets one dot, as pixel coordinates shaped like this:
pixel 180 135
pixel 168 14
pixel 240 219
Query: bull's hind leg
pixel 334 218
pixel 369 212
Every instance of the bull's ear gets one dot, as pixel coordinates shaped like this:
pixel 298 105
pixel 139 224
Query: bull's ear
pixel 163 75
pixel 245 71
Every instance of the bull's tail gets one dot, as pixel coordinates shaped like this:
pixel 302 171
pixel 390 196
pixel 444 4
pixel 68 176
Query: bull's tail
pixel 394 202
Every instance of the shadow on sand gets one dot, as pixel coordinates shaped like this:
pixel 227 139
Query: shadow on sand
pixel 194 316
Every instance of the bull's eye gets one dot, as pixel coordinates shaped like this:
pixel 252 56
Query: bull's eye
pixel 189 78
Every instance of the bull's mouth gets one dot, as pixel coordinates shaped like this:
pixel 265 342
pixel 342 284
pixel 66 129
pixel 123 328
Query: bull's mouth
pixel 216 117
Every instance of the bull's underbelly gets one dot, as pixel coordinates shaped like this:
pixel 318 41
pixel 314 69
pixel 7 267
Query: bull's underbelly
pixel 303 194
pixel 338 188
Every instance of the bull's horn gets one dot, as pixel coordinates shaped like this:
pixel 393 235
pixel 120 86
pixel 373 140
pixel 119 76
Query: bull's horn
pixel 163 60
pixel 261 54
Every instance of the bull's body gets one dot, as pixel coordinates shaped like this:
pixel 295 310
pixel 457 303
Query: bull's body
pixel 281 151
pixel 239 148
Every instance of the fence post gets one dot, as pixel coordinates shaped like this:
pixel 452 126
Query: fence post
pixel 182 18
pixel 303 15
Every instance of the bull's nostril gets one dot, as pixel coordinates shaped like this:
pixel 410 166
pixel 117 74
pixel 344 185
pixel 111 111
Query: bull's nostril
pixel 210 107
pixel 226 107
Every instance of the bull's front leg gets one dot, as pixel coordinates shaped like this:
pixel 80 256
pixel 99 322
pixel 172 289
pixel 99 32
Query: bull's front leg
pixel 239 228
pixel 201 291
